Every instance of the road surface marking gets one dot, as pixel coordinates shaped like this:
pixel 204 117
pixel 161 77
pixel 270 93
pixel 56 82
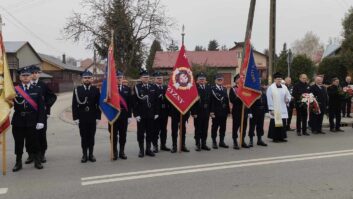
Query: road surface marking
pixel 3 191
pixel 210 167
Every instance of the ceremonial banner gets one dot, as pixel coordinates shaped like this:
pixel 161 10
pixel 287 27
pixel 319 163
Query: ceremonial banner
pixel 109 101
pixel 249 89
pixel 182 91
pixel 7 91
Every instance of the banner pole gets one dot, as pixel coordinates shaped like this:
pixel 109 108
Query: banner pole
pixel 242 125
pixel 180 132
pixel 111 141
pixel 4 153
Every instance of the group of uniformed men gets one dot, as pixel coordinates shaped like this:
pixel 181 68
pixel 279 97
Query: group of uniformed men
pixel 151 109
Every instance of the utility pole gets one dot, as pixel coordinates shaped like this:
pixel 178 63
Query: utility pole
pixel 272 47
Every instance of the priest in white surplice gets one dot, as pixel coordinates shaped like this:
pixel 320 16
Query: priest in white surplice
pixel 278 98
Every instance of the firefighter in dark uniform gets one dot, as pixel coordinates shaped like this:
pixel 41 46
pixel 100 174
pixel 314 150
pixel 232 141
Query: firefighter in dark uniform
pixel 49 100
pixel 120 125
pixel 236 114
pixel 28 118
pixel 219 111
pixel 145 110
pixel 298 90
pixel 334 105
pixel 201 112
pixel 257 118
pixel 175 116
pixel 160 127
pixel 86 114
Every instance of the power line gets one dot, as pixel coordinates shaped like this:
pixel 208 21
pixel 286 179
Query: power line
pixel 29 30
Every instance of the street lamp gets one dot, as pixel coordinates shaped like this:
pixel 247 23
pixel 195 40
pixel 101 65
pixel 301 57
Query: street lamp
pixel 289 60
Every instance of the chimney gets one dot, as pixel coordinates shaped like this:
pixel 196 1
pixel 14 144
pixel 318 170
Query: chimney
pixel 64 58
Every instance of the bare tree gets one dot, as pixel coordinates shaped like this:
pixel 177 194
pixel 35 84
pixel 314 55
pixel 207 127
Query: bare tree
pixel 310 45
pixel 133 22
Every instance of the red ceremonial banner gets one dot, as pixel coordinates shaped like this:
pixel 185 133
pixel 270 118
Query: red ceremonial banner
pixel 182 91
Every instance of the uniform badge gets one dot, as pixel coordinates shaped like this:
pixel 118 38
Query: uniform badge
pixel 86 108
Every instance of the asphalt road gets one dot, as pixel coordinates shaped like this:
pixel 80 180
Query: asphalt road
pixel 318 166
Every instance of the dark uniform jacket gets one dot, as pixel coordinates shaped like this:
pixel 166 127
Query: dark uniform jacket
pixel 292 102
pixel 237 103
pixel 85 104
pixel 219 102
pixel 334 97
pixel 202 106
pixel 25 115
pixel 298 89
pixel 49 96
pixel 260 105
pixel 162 101
pixel 145 101
pixel 321 96
pixel 125 93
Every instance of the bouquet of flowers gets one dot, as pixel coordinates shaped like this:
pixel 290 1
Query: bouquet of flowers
pixel 347 92
pixel 309 101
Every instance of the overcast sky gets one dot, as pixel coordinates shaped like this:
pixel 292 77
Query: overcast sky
pixel 223 20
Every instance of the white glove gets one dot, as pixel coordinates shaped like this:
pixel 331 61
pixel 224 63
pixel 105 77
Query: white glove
pixel 129 120
pixel 138 118
pixel 250 115
pixel 156 116
pixel 77 122
pixel 212 115
pixel 194 116
pixel 39 126
pixel 97 121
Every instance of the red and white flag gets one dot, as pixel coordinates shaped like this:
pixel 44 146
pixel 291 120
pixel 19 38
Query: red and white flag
pixel 182 91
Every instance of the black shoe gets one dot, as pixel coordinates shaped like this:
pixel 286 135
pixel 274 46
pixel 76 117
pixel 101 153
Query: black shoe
pixel 122 156
pixel 38 165
pixel 198 148
pixel 244 145
pixel 299 134
pixel 174 150
pixel 251 144
pixel 29 160
pixel 164 148
pixel 43 159
pixel 150 153
pixel 306 134
pixel 321 132
pixel 289 129
pixel 141 154
pixel 314 132
pixel 17 167
pixel 214 145
pixel 349 116
pixel 115 157
pixel 205 147
pixel 261 143
pixel 333 130
pixel 184 149
pixel 282 140
pixel 339 130
pixel 155 149
pixel 236 147
pixel 84 159
pixel 223 145
pixel 91 158
pixel 276 141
